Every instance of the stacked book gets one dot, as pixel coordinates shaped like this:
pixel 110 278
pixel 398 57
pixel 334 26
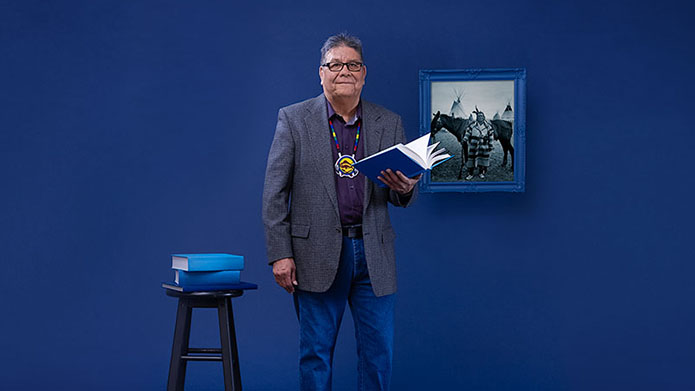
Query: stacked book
pixel 206 272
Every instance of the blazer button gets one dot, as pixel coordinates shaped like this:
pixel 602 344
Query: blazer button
pixel 338 229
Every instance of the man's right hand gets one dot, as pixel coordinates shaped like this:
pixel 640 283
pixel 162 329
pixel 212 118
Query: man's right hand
pixel 284 272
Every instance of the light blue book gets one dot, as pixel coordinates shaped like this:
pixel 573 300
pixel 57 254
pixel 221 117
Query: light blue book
pixel 221 277
pixel 207 262
pixel 207 288
pixel 410 159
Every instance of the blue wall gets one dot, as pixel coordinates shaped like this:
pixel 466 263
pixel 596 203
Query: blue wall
pixel 131 130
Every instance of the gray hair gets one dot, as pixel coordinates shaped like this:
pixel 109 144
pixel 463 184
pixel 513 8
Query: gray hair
pixel 342 39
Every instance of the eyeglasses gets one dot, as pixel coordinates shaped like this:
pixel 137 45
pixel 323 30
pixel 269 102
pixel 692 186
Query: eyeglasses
pixel 338 66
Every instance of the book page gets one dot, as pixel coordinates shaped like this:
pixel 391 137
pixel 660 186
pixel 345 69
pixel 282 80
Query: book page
pixel 419 147
pixel 433 157
pixel 412 155
pixel 431 148
pixel 438 158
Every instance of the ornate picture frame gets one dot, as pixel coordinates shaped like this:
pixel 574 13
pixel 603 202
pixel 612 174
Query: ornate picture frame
pixel 479 116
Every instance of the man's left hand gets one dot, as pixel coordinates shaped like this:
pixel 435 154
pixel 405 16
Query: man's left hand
pixel 398 182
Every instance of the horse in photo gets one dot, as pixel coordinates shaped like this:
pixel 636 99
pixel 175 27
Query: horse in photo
pixel 457 126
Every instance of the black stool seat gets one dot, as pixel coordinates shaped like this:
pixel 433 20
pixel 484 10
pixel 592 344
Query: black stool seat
pixel 181 353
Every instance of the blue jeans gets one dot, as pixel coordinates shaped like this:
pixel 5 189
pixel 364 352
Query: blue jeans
pixel 320 315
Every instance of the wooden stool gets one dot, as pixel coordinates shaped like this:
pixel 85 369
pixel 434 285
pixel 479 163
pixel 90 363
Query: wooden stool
pixel 228 354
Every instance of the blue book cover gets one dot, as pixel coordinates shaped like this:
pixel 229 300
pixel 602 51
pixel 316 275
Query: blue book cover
pixel 201 278
pixel 410 159
pixel 207 288
pixel 207 262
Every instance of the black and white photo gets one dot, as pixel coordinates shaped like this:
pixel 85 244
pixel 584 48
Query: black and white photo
pixel 477 115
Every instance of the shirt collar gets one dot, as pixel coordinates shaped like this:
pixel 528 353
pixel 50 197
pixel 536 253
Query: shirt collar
pixel 332 113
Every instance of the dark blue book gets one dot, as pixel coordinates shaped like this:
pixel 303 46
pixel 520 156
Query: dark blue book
pixel 201 278
pixel 208 288
pixel 207 262
pixel 410 159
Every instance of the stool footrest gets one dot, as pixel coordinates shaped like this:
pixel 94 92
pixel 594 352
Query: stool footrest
pixel 205 350
pixel 201 358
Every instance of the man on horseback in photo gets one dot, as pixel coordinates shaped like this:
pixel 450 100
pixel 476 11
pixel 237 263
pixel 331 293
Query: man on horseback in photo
pixel 479 136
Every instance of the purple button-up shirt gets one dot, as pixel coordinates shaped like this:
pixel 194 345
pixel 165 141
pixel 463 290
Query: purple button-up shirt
pixel 350 191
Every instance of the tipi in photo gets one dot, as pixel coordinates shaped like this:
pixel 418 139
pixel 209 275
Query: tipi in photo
pixel 508 114
pixel 457 107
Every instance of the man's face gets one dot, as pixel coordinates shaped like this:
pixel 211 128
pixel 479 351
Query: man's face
pixel 344 83
pixel 480 118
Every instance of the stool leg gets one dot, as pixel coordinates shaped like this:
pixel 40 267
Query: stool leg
pixel 230 354
pixel 182 331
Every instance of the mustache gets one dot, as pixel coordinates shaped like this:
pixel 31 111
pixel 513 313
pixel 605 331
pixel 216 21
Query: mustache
pixel 345 79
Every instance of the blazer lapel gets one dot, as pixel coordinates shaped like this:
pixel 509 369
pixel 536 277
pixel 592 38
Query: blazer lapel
pixel 373 130
pixel 316 123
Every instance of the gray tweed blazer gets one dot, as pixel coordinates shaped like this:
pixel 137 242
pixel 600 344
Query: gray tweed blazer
pixel 300 205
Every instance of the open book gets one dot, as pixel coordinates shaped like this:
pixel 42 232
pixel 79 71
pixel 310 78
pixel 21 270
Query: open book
pixel 410 159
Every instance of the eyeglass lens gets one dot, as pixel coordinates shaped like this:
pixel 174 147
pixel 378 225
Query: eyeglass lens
pixel 351 66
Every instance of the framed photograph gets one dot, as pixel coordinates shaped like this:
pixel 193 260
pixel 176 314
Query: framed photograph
pixel 479 116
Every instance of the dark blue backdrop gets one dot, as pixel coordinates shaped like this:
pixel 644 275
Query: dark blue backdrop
pixel 131 130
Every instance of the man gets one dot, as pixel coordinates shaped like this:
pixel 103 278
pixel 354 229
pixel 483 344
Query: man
pixel 328 233
pixel 478 135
